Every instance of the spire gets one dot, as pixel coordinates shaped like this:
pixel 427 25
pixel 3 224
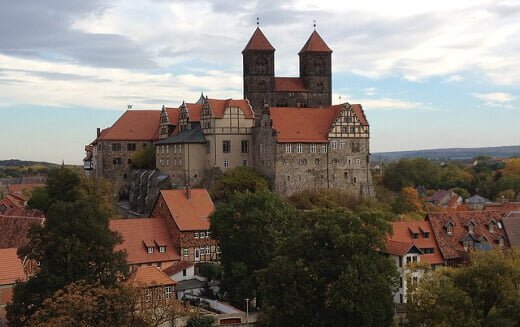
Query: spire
pixel 258 42
pixel 315 44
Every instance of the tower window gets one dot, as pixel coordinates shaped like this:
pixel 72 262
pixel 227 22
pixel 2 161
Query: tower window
pixel 261 65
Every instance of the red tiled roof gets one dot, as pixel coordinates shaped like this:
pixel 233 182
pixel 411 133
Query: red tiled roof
pixel 189 214
pixel 402 233
pixel 505 207
pixel 134 125
pixel 258 42
pixel 11 268
pixel 14 230
pixel 397 248
pixel 6 294
pixel 19 188
pixel 137 231
pixel 451 247
pixel 178 267
pixel 12 201
pixel 289 84
pixel 173 115
pixel 512 228
pixel 360 114
pixel 218 107
pixel 194 110
pixel 149 276
pixel 315 44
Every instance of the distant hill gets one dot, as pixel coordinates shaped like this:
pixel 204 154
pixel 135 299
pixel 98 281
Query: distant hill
pixel 24 163
pixel 450 154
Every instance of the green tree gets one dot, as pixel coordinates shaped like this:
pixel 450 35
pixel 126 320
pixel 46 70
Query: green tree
pixel 481 294
pixel 239 179
pixel 412 172
pixel 62 185
pixel 250 228
pixel 211 271
pixel 201 321
pixel 144 158
pixel 329 272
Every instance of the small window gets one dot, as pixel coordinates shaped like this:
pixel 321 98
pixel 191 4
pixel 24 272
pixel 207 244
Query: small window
pixel 299 148
pixel 345 174
pixel 116 146
pixel 313 148
pixel 218 249
pixel 208 147
pixel 185 252
pixel 168 292
pixel 184 272
pixel 244 162
pixel 226 163
pixel 491 227
pixel 208 249
pixel 150 249
pixel 317 161
pixel 196 235
pixel 226 146
pixel 208 234
pixel 162 249
pixel 358 162
pixel 131 146
pixel 244 145
pixel 147 295
pixel 449 229
pixel 334 161
pixel 342 144
pixel 334 144
pixel 167 149
pixel 288 148
pixel 426 234
pixel 415 236
pixel 202 251
pixel 324 148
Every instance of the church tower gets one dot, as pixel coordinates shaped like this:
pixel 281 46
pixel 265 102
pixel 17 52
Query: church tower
pixel 258 67
pixel 316 70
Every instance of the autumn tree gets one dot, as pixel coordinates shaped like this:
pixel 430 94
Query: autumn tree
pixel 408 201
pixel 239 179
pixel 329 272
pixel 144 158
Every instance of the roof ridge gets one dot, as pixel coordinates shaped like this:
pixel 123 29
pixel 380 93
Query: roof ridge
pixel 258 41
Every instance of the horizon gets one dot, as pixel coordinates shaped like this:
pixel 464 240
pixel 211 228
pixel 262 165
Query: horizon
pixel 430 76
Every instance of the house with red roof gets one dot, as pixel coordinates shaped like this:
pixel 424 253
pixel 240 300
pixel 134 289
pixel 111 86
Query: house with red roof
pixel 326 147
pixel 157 288
pixel 187 212
pixel 11 272
pixel 411 242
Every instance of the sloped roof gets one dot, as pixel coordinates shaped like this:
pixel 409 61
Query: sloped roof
pixel 173 115
pixel 451 247
pixel 134 125
pixel 505 207
pixel 219 106
pixel 14 230
pixel 19 188
pixel 258 41
pixel 512 227
pixel 11 268
pixel 136 232
pixel 289 84
pixel 315 44
pixel 477 199
pixel 194 111
pixel 401 232
pixel 149 276
pixel 193 135
pixel 398 248
pixel 190 214
pixel 178 267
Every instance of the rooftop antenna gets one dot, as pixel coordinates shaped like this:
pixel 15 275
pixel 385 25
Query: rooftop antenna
pixel 257 21
pixel 314 23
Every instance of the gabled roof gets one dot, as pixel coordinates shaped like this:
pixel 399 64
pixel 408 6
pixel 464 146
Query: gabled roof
pixel 315 44
pixel 149 276
pixel 258 42
pixel 133 125
pixel 190 214
pixel 19 188
pixel 477 199
pixel 173 115
pixel 219 106
pixel 289 84
pixel 194 111
pixel 399 248
pixel 14 230
pixel 11 268
pixel 512 228
pixel 136 231
pixel 178 267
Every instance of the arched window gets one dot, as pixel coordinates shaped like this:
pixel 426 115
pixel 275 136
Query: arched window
pixel 320 87
pixel 261 65
pixel 319 66
pixel 261 86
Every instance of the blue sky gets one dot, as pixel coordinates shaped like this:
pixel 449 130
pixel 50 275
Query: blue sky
pixel 429 75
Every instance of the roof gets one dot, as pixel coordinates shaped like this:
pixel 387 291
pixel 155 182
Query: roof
pixel 173 115
pixel 15 229
pixel 11 268
pixel 512 227
pixel 19 188
pixel 258 41
pixel 194 111
pixel 451 247
pixel 189 284
pixel 133 125
pixel 6 294
pixel 315 44
pixel 193 135
pixel 477 199
pixel 402 234
pixel 219 106
pixel 178 267
pixel 149 276
pixel 398 248
pixel 137 232
pixel 505 207
pixel 192 213
pixel 289 84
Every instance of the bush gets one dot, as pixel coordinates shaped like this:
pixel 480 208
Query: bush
pixel 144 159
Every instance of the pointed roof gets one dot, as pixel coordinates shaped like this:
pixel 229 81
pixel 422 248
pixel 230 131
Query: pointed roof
pixel 315 44
pixel 258 42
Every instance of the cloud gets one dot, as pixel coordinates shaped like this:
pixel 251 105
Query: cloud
pixel 496 99
pixel 453 78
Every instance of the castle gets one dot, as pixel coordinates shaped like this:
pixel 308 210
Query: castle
pixel 285 127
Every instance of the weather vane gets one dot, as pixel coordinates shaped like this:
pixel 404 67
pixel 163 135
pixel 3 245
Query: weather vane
pixel 257 21
pixel 314 23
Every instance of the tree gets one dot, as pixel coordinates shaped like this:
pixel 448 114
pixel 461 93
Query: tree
pixel 481 294
pixel 201 321
pixel 250 228
pixel 144 158
pixel 330 273
pixel 239 179
pixel 512 167
pixel 62 185
pixel 74 244
pixel 408 202
pixel 412 172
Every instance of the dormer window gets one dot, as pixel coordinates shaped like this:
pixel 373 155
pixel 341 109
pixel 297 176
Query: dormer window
pixel 426 234
pixel 501 242
pixel 415 236
pixel 162 249
pixel 149 249
pixel 470 228
pixel 196 235
pixel 449 230
pixel 492 226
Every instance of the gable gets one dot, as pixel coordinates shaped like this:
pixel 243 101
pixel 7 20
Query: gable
pixel 350 122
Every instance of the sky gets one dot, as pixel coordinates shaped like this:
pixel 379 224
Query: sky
pixel 429 74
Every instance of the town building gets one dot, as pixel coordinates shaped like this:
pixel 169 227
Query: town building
pixel 446 199
pixel 157 289
pixel 11 272
pixel 511 224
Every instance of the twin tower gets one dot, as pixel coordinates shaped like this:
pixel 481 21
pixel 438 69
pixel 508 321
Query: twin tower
pixel 313 88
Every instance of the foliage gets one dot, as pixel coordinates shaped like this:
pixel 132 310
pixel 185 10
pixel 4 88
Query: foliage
pixel 74 244
pixel 408 202
pixel 159 311
pixel 211 271
pixel 464 194
pixel 239 179
pixel 62 185
pixel 508 195
pixel 481 294
pixel 329 272
pixel 412 172
pixel 144 158
pixel 512 167
pixel 200 321
pixel 250 228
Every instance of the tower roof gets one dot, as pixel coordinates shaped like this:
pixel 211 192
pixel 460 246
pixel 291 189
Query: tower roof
pixel 258 42
pixel 315 44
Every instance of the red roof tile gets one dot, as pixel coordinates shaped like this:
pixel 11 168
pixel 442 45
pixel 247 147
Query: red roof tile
pixel 402 233
pixel 178 267
pixel 258 42
pixel 11 268
pixel 149 276
pixel 189 214
pixel 6 294
pixel 19 188
pixel 218 107
pixel 289 84
pixel 194 111
pixel 397 248
pixel 137 231
pixel 173 115
pixel 316 44
pixel 134 125
pixel 14 230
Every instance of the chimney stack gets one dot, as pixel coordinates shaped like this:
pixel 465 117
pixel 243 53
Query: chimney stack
pixel 98 131
pixel 188 191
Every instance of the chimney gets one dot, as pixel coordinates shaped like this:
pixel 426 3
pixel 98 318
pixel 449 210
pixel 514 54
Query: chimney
pixel 98 131
pixel 188 191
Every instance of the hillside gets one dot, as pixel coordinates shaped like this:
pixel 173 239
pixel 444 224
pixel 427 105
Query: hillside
pixel 24 163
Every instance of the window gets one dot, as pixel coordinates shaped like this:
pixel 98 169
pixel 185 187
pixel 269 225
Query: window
pixel 196 235
pixel 400 261
pixel 299 148
pixel 184 272
pixel 162 249
pixel 185 252
pixel 208 147
pixel 334 144
pixel 226 146
pixel 470 228
pixel 449 229
pixel 288 148
pixel 491 227
pixel 313 148
pixel 202 251
pixel 415 236
pixel 401 282
pixel 167 149
pixel 426 234
pixel 345 174
pixel 302 161
pixel 167 162
pixel 131 147
pixel 342 144
pixel 208 249
pixel 117 161
pixel 317 161
pixel 334 161
pixel 352 130
pixel 147 295
pixel 168 292
pixel 150 249
pixel 501 242
pixel 180 148
pixel 208 234
pixel 354 180
pixel 358 162
pixel 244 162
pixel 175 161
pixel 129 161
pixel 162 149
pixel 324 148
pixel 226 163
pixel 157 149
pixel 244 145
pixel 116 146
pixel 174 148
